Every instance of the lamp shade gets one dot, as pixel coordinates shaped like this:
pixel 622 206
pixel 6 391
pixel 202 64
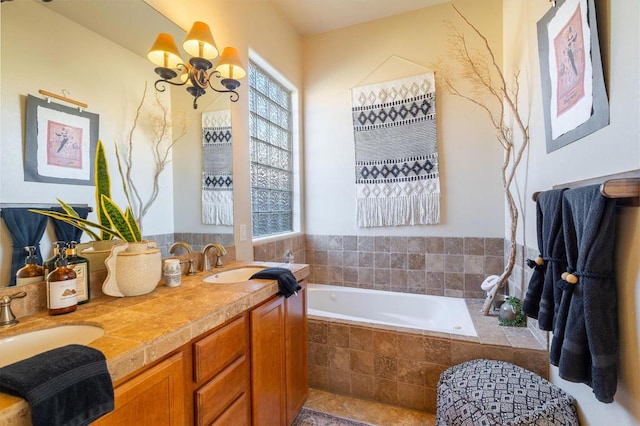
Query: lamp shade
pixel 164 52
pixel 230 65
pixel 199 42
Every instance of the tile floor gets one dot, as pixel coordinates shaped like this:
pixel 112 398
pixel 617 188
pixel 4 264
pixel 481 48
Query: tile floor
pixel 371 412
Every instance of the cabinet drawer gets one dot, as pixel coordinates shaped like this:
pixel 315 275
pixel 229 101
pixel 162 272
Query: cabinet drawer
pixel 216 351
pixel 237 414
pixel 218 394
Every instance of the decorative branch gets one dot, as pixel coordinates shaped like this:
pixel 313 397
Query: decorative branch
pixel 160 125
pixel 490 91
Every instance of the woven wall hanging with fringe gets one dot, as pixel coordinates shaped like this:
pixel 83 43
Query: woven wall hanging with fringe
pixel 394 127
pixel 217 168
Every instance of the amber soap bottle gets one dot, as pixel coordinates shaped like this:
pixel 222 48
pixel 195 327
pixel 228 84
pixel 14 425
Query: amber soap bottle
pixel 50 264
pixel 62 292
pixel 80 266
pixel 31 272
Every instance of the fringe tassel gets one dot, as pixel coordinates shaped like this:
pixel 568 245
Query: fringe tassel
pixel 217 208
pixel 421 209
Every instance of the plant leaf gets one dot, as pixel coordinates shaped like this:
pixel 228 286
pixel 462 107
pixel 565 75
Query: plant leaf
pixel 67 208
pixel 103 187
pixel 78 222
pixel 117 219
pixel 131 219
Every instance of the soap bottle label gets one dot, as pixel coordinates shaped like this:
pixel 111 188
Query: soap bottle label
pixel 82 282
pixel 62 294
pixel 29 280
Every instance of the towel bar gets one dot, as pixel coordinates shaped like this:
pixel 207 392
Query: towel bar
pixel 623 186
pixel 41 206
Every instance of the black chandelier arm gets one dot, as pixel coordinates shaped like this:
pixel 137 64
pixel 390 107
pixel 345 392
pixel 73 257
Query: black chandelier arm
pixel 233 95
pixel 173 83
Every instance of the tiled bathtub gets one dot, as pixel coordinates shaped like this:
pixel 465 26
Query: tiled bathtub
pixel 401 366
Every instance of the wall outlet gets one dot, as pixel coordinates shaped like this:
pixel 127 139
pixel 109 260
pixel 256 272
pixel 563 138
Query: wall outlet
pixel 243 232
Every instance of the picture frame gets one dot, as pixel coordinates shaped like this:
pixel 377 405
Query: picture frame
pixel 574 95
pixel 60 143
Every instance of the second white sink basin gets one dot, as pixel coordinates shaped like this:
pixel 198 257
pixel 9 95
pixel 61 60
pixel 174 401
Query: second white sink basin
pixel 25 345
pixel 234 275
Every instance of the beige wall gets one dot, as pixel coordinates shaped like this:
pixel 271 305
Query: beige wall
pixel 613 149
pixel 469 154
pixel 43 50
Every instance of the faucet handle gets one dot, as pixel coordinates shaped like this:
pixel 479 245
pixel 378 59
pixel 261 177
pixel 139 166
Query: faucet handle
pixel 6 315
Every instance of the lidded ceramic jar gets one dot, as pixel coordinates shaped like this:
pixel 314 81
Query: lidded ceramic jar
pixel 172 272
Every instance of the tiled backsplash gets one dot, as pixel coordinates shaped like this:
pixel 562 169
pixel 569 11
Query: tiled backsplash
pixel 446 266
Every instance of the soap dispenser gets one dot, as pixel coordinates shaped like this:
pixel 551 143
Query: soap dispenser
pixel 80 266
pixel 31 272
pixel 50 264
pixel 62 292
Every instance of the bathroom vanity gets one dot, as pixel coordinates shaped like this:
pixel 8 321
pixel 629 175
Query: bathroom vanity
pixel 223 354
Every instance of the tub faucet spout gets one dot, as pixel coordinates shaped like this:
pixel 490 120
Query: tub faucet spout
pixel 220 251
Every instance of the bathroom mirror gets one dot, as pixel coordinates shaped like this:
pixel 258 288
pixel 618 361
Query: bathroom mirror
pixel 133 25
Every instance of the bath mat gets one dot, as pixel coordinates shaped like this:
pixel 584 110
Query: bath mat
pixel 309 417
pixel 217 168
pixel 396 153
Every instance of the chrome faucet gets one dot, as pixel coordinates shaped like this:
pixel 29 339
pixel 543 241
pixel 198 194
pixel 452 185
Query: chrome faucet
pixel 7 317
pixel 178 244
pixel 220 251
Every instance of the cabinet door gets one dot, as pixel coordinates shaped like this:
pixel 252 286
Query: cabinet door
pixel 297 373
pixel 268 363
pixel 153 397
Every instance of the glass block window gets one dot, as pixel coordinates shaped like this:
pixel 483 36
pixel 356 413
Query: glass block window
pixel 271 154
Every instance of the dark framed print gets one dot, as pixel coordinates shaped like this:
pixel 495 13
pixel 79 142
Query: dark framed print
pixel 60 143
pixel 574 95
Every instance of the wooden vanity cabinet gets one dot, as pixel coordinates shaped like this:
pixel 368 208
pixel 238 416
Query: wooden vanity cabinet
pixel 252 370
pixel 279 373
pixel 297 364
pixel 221 375
pixel 154 397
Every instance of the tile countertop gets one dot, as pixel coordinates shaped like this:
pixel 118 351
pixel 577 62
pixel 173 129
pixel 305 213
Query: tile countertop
pixel 140 330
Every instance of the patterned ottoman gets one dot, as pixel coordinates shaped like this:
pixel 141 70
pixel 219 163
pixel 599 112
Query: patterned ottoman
pixel 486 392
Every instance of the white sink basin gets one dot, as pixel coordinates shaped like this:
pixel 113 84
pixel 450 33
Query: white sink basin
pixel 25 345
pixel 234 275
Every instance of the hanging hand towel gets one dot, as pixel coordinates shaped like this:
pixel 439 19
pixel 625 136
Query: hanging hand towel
pixel 541 300
pixel 217 168
pixel 287 283
pixel 68 386
pixel 588 343
pixel 26 229
pixel 397 177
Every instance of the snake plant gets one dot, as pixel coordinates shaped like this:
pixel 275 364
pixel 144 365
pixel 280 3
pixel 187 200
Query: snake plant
pixel 113 222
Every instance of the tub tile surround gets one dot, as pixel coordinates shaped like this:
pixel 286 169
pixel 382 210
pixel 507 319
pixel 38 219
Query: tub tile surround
pixel 274 251
pixel 443 266
pixel 402 366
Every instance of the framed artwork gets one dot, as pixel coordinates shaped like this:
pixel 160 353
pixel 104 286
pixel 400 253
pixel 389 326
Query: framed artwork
pixel 60 143
pixel 574 95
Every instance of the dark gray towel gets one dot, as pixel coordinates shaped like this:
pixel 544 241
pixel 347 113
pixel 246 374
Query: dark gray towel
pixel 287 283
pixel 541 300
pixel 585 342
pixel 68 386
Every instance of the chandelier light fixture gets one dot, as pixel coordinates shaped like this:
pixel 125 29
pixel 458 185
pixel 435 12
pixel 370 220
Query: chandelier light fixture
pixel 198 73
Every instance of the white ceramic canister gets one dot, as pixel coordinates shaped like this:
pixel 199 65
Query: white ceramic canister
pixel 172 273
